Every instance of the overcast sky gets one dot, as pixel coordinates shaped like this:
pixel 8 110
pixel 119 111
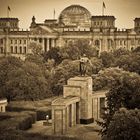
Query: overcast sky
pixel 124 10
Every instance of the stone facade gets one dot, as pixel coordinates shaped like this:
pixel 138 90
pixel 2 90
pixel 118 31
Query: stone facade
pixel 79 104
pixel 74 23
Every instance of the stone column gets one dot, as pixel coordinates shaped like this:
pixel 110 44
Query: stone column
pixel 48 44
pixel 53 41
pixel 59 119
pixel 73 114
pixel 43 45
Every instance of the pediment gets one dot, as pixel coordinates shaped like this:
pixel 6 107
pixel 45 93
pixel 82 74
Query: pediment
pixel 42 30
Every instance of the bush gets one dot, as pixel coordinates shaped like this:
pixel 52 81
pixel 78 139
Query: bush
pixel 125 125
pixel 15 120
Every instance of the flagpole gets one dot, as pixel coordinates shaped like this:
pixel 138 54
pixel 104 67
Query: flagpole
pixel 54 14
pixel 102 10
pixel 7 12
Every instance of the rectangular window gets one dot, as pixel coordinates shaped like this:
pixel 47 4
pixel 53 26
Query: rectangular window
pixel 20 41
pixel 101 23
pixel 40 40
pixel 1 41
pixel 120 42
pixel 15 41
pixel 24 41
pixel 132 42
pixel 11 41
pixel 1 49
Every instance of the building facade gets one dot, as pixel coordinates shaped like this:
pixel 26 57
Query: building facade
pixel 74 23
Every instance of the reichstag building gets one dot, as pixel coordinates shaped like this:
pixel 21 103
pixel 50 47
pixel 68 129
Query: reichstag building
pixel 74 23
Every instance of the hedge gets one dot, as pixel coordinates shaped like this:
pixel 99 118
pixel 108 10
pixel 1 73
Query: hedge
pixel 21 135
pixel 40 112
pixel 15 120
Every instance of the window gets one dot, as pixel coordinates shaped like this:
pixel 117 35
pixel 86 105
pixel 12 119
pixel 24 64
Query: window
pixel 20 49
pixel 15 41
pixel 11 41
pixel 24 49
pixel 1 49
pixel 120 42
pixel 132 42
pixel 35 39
pixel 40 40
pixel 101 23
pixel 11 49
pixel 1 41
pixel 15 49
pixel 20 41
pixel 24 41
pixel 97 43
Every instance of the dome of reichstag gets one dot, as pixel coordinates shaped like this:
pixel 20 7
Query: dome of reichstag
pixel 75 15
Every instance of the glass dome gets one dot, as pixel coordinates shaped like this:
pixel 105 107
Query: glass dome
pixel 75 15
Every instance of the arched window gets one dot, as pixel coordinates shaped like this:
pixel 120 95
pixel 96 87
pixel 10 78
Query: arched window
pixel 97 43
pixel 24 49
pixel 11 49
pixel 20 49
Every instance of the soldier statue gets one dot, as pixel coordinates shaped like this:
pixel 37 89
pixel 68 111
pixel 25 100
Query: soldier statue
pixel 83 65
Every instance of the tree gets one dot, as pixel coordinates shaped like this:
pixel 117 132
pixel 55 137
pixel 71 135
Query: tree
pixel 53 53
pixel 35 48
pixel 129 62
pixel 96 65
pixel 74 50
pixel 125 125
pixel 106 78
pixel 125 93
pixel 7 64
pixel 62 73
pixel 119 52
pixel 27 82
pixel 107 59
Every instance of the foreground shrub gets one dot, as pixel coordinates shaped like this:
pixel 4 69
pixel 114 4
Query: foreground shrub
pixel 125 125
pixel 15 120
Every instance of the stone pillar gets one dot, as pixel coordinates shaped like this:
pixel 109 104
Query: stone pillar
pixel 86 97
pixel 48 44
pixel 53 42
pixel 43 44
pixel 73 114
pixel 59 119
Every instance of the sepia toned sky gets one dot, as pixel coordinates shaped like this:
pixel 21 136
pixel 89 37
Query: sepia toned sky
pixel 124 10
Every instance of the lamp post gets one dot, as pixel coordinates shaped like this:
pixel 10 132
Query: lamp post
pixel 47 118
